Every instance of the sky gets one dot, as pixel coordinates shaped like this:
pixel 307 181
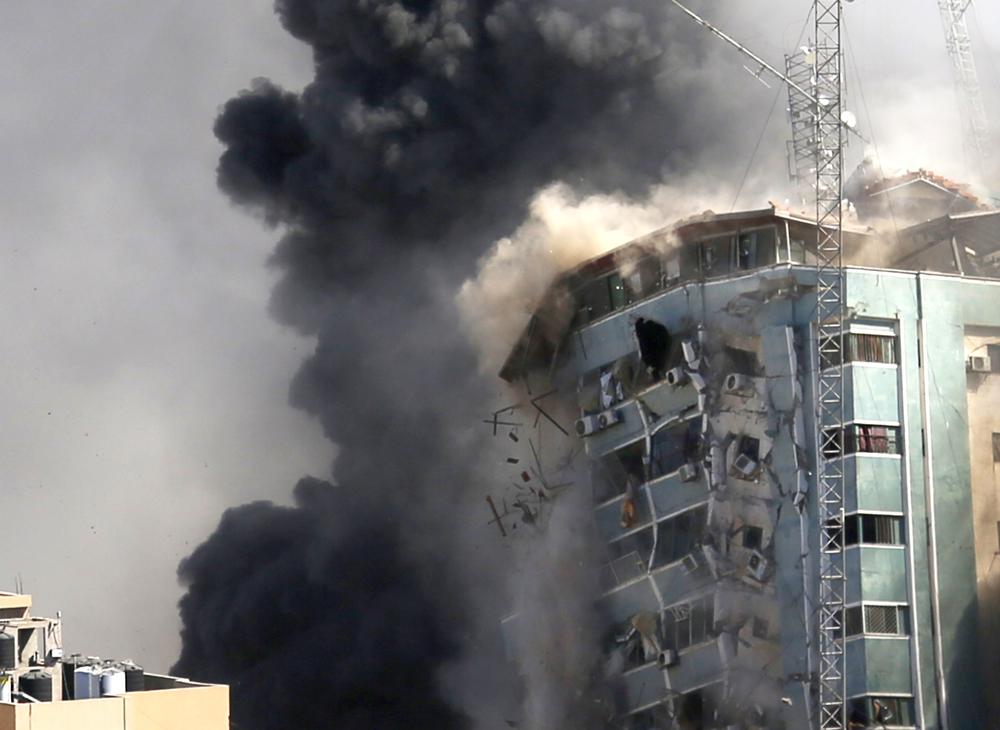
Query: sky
pixel 144 386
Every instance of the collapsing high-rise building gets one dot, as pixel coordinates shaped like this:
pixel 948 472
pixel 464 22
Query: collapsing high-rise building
pixel 691 355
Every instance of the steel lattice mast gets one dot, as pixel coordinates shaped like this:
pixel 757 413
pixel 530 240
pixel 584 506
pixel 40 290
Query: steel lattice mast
pixel 801 108
pixel 829 375
pixel 975 124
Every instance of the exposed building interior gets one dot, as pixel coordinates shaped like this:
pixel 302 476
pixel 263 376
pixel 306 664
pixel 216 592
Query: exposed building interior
pixel 689 358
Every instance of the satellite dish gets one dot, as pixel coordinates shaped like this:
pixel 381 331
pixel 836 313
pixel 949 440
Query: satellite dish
pixel 809 56
pixel 849 119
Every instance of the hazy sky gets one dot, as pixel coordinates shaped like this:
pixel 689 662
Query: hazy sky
pixel 144 387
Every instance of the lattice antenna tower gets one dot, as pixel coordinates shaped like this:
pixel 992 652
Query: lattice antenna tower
pixel 829 385
pixel 975 124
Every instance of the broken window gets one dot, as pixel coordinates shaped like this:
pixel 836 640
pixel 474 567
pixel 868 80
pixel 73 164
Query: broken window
pixel 893 711
pixel 867 529
pixel 690 623
pixel 613 472
pixel 673 447
pixel 753 537
pixel 639 544
pixel 654 345
pixel 644 278
pixel 677 536
pixel 714 256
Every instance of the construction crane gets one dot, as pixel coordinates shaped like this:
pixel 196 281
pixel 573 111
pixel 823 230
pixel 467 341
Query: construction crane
pixel 975 123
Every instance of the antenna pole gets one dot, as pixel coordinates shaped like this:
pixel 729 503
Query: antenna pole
pixel 828 397
pixel 975 123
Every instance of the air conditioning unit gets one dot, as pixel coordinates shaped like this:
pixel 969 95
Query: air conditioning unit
pixel 690 356
pixel 979 364
pixel 668 658
pixel 757 566
pixel 609 418
pixel 587 425
pixel 677 376
pixel 688 472
pixel 737 383
pixel 598 422
pixel 692 562
pixel 744 467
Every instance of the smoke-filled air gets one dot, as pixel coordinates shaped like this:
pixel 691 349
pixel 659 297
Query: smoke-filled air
pixel 446 161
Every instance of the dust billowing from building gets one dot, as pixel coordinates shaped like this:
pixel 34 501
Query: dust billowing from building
pixel 374 599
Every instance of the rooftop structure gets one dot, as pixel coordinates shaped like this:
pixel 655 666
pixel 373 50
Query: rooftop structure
pixel 689 357
pixel 41 689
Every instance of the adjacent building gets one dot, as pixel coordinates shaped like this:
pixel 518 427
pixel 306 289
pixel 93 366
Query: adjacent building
pixel 41 689
pixel 691 357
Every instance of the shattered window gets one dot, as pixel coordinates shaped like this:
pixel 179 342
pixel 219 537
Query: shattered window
pixel 614 471
pixel 677 536
pixel 639 544
pixel 676 446
pixel 746 251
pixel 714 256
pixel 753 537
pixel 690 623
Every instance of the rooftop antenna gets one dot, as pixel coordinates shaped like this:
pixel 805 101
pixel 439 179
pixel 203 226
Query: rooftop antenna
pixel 975 123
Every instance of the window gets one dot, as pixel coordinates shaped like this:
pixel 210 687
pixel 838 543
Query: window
pixel 688 624
pixel 638 543
pixel 862 529
pixel 863 347
pixel 746 251
pixel 872 439
pixel 677 536
pixel 714 256
pixel 996 448
pixel 871 348
pixel 797 251
pixel 759 628
pixel 877 620
pixel 643 278
pixel 753 536
pixel 613 472
pixel 893 711
pixel 861 438
pixel 676 446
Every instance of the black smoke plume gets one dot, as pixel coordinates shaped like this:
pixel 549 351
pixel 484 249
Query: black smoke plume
pixel 427 128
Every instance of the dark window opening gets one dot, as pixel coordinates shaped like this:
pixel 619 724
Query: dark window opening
pixel 654 345
pixel 760 628
pixel 853 621
pixel 642 279
pixel 753 537
pixel 613 472
pixel 677 536
pixel 749 447
pixel 714 256
pixel 676 446
pixel 996 447
pixel 866 529
pixel 993 352
pixel 864 711
pixel 741 361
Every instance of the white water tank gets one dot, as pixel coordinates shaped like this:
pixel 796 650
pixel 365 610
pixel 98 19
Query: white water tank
pixel 112 681
pixel 86 683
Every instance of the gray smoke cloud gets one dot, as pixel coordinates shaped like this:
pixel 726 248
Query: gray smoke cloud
pixel 426 131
